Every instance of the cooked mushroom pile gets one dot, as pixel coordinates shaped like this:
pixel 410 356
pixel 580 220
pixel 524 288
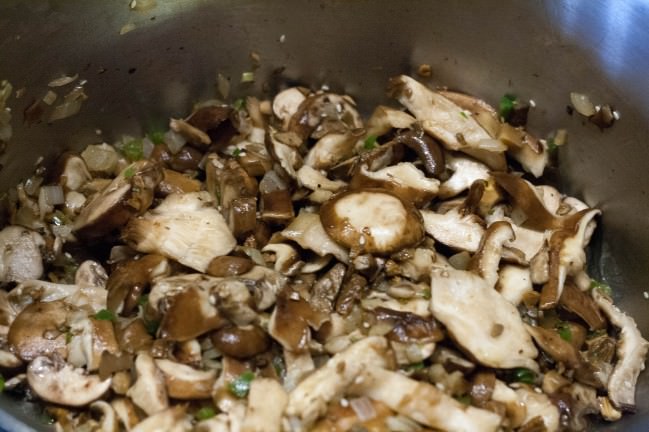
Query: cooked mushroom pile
pixel 286 265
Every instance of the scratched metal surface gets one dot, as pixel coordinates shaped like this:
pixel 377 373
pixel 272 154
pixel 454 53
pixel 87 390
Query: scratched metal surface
pixel 537 49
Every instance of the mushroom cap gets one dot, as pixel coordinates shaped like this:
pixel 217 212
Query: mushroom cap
pixel 372 221
pixel 27 333
pixel 62 384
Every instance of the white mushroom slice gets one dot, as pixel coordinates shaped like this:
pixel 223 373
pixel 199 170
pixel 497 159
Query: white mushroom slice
pixel 313 179
pixel 417 306
pixel 185 227
pixel 384 119
pixel 9 360
pixel 20 254
pixel 530 160
pixel 465 172
pixel 286 103
pixel 287 259
pixel 408 354
pixel 330 150
pixel 262 416
pixel 75 173
pixel 309 399
pixel 443 119
pixel 515 409
pixel 90 274
pixel 218 423
pixel 62 384
pixel 372 221
pixel 465 304
pixel 551 197
pixel 298 365
pixel 418 267
pixel 149 391
pixel 631 352
pixel 307 231
pixel 173 419
pixel 423 402
pixel 189 132
pixel 31 291
pixel 486 260
pixel 287 156
pixel 90 338
pixel 403 179
pixel 185 382
pixel 172 285
pixel 513 283
pixel 108 421
pixel 453 229
pixel 539 405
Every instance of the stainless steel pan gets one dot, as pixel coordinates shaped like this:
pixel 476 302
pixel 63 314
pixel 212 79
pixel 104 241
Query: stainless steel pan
pixel 537 49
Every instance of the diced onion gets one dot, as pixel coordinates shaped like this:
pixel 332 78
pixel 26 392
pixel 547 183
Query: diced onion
pixel 582 104
pixel 247 77
pixel 223 86
pixel 53 195
pixel 174 141
pixel 64 80
pixel 101 158
pixel 401 424
pixel 363 408
pixel 50 97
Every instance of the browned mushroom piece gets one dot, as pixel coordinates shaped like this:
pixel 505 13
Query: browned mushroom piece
pixel 578 302
pixel 372 221
pixel 189 314
pixel 384 119
pixel 240 342
pixel 551 342
pixel 190 133
pixel 452 360
pixel 130 279
pixel 209 118
pixel 324 113
pixel 39 330
pixel 71 171
pixel 185 382
pixel 597 365
pixel 429 152
pixel 129 194
pixel 133 337
pixel 408 327
pixel 486 260
pixel 325 289
pixel 276 204
pixel 332 149
pixel 482 388
pixel 290 321
pixel 404 180
pixel 350 293
pixel 225 266
pixel 174 182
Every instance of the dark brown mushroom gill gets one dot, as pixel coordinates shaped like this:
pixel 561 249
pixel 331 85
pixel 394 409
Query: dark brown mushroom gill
pixel 409 327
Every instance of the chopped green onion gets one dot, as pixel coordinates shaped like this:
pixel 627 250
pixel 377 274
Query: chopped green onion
pixel 236 152
pixel 151 327
pixel 239 104
pixel 205 413
pixel 370 142
pixel 2 383
pixel 105 315
pixel 129 172
pixel 247 77
pixel 414 367
pixel 279 366
pixel 552 146
pixel 426 294
pixel 133 150
pixel 143 300
pixel 524 375
pixel 59 218
pixel 601 287
pixel 464 399
pixel 506 105
pixel 68 338
pixel 463 114
pixel 564 331
pixel 157 137
pixel 241 385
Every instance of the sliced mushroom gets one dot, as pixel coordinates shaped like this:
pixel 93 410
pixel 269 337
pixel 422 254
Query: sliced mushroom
pixel 494 340
pixel 172 419
pixel 372 221
pixel 287 258
pixel 323 113
pixel 313 179
pixel 225 266
pixel 384 118
pixel 62 384
pixel 408 327
pixel 404 180
pixel 514 283
pixel 36 331
pixel 287 156
pixel 74 172
pixel 129 280
pixel 290 321
pixel 20 254
pixel 276 204
pixel 559 349
pixel 583 305
pixel 175 182
pixel 126 412
pixel 539 405
pixel 325 290
pixel 631 352
pixel 309 399
pixel 90 274
pixel 31 291
pixel 453 229
pixel 262 416
pixel 444 120
pixel 240 342
pixel 189 132
pixel 89 338
pixel 416 306
pixel 129 194
pixel 184 382
pixel 189 314
pixel 286 104
pixel 330 150
pixel 429 152
pixel 183 227
pixel 108 422
pixel 307 231
pixel 422 402
pixel 148 392
pixel 485 261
